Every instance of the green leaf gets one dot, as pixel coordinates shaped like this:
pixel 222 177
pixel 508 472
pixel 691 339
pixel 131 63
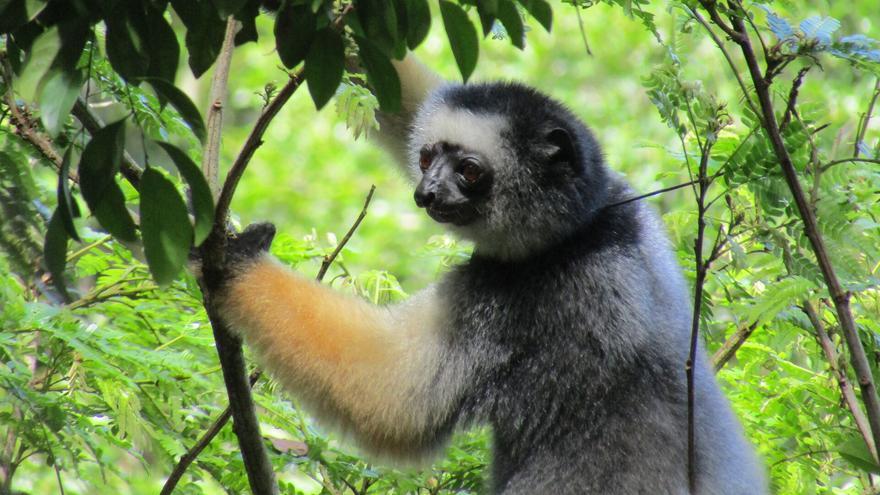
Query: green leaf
pixel 55 252
pixel 60 89
pixel 488 6
pixel 205 30
pixel 182 104
pixel 378 19
pixel 247 16
pixel 856 453
pixel 513 24
pixel 541 11
pixel 294 32
pixel 324 65
pixel 125 47
pixel 164 51
pixel 227 8
pixel 488 11
pixel 39 59
pixel 165 226
pixel 462 37
pixel 67 207
pixel 97 181
pixel 100 161
pixel 381 74
pixel 17 13
pixel 202 199
pixel 418 22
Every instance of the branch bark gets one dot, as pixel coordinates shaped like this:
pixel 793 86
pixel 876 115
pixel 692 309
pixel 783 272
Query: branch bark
pixel 187 459
pixel 260 473
pixel 846 391
pixel 840 297
pixel 702 269
pixel 728 349
pixel 214 114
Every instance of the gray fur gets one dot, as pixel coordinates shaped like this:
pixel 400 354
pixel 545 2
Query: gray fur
pixel 569 327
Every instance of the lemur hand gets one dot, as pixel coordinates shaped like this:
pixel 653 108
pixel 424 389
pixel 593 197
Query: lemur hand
pixel 242 249
pixel 248 245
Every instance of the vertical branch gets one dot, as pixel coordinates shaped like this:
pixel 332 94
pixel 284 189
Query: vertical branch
pixel 866 119
pixel 846 391
pixel 840 297
pixel 218 424
pixel 260 473
pixel 702 269
pixel 214 114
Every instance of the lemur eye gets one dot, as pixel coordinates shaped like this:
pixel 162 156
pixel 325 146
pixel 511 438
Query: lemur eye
pixel 471 170
pixel 424 158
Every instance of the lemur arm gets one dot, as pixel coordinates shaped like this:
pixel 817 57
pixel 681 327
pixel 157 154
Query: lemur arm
pixel 383 374
pixel 416 82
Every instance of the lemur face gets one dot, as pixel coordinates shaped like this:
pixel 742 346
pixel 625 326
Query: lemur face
pixel 455 182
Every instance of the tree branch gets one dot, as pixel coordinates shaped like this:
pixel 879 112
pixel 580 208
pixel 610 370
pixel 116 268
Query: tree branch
pixel 702 269
pixel 730 346
pixel 846 391
pixel 214 114
pixel 260 473
pixel 328 260
pixel 840 297
pixel 187 459
pixel 25 126
pixel 191 454
pixel 866 119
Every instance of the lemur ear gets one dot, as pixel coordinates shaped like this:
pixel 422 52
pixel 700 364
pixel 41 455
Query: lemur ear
pixel 561 140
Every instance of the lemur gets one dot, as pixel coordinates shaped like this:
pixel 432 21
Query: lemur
pixel 566 332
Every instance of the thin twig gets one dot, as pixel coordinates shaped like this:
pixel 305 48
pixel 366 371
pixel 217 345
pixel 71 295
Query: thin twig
pixel 577 12
pixel 730 62
pixel 191 454
pixel 792 97
pixel 214 114
pixel 328 260
pixel 253 141
pixel 849 160
pixel 730 346
pixel 866 119
pixel 702 268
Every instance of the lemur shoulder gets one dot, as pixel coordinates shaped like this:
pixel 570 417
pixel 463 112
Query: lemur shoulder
pixel 567 330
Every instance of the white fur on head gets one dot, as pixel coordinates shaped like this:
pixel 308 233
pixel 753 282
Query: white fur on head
pixel 438 122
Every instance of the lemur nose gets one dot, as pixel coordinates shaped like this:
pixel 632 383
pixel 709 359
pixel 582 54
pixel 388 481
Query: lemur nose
pixel 424 198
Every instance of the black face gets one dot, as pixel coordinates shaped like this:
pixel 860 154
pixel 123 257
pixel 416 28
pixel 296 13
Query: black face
pixel 455 182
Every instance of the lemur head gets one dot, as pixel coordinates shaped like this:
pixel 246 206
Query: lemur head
pixel 506 167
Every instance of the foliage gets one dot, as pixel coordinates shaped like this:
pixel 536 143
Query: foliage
pixel 108 368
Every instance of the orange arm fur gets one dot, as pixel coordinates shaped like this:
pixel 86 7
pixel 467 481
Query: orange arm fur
pixel 373 371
